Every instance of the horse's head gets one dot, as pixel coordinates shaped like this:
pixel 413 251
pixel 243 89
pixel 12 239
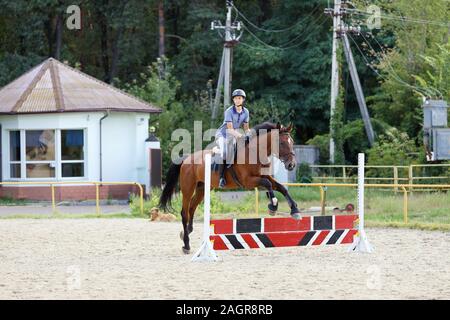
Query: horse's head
pixel 286 147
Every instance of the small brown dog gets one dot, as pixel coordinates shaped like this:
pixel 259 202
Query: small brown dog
pixel 155 215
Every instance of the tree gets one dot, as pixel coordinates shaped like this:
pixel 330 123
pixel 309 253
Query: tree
pixel 402 65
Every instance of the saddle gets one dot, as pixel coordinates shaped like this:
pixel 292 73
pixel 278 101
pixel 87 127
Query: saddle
pixel 216 159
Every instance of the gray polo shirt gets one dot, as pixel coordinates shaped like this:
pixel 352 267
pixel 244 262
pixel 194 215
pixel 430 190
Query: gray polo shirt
pixel 231 115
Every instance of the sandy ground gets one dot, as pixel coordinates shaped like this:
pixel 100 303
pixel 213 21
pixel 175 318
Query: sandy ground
pixel 138 259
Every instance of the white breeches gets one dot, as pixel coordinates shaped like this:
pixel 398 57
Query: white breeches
pixel 225 144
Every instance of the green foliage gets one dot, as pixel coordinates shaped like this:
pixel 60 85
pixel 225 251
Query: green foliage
pixel 304 173
pixel 268 110
pixel 323 142
pixel 405 64
pixel 436 80
pixel 135 206
pixel 393 148
pixel 288 84
pixel 157 85
pixel 14 65
pixel 297 77
pixel 354 140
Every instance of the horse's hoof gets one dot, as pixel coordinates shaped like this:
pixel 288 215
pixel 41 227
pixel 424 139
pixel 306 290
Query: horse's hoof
pixel 186 251
pixel 295 213
pixel 272 208
pixel 296 216
pixel 272 213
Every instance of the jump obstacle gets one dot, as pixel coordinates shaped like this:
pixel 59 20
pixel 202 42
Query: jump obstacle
pixel 253 233
pixel 232 234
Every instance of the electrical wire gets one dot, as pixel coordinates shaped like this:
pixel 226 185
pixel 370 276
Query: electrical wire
pixel 274 30
pixel 394 73
pixel 424 93
pixel 281 47
pixel 403 19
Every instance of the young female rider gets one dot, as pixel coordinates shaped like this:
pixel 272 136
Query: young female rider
pixel 234 117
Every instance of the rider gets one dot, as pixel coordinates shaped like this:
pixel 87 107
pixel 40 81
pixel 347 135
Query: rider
pixel 226 135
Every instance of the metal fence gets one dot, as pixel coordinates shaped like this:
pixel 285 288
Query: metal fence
pixel 412 174
pixel 97 184
pixel 405 188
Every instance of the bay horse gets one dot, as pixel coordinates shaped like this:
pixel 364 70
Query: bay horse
pixel 191 172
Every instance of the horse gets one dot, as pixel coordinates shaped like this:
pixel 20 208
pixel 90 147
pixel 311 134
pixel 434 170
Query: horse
pixel 190 172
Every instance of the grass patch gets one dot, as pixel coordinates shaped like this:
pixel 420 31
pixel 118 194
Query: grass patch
pixel 8 201
pixel 415 225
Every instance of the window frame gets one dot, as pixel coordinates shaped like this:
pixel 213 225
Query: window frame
pixel 10 162
pixel 57 162
pixel 26 162
pixel 59 155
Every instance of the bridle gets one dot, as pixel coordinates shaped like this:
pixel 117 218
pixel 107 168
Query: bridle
pixel 284 159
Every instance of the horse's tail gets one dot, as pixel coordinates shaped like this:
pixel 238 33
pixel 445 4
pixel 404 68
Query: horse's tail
pixel 171 183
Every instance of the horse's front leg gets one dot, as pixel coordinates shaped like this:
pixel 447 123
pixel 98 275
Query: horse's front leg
pixel 258 181
pixel 295 213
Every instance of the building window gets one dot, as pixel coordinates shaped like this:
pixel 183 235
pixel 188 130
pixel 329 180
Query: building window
pixel 40 153
pixel 72 156
pixel 14 154
pixel 46 154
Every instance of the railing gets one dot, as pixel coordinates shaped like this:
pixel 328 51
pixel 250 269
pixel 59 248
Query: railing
pixel 97 189
pixel 408 174
pixel 323 187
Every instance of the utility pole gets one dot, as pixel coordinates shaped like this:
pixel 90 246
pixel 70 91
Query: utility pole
pixel 358 90
pixel 334 72
pixel 161 47
pixel 340 31
pixel 230 40
pixel 227 56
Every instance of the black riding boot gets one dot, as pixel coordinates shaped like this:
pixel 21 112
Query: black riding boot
pixel 222 181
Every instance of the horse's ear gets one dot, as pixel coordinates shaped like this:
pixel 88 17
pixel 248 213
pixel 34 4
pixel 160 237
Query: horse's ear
pixel 289 128
pixel 278 125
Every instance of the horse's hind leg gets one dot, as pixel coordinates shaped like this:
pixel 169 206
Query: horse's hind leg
pixel 195 201
pixel 187 191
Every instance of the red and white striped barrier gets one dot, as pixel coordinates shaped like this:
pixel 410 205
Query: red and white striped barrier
pixel 232 234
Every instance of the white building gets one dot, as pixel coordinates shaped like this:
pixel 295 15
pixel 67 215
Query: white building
pixel 59 124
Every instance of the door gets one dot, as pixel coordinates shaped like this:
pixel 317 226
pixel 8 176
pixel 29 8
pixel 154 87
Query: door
pixel 155 165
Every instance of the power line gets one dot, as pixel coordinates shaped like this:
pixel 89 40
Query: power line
pixel 394 73
pixel 369 64
pixel 281 47
pixel 400 18
pixel 311 23
pixel 274 30
pixel 423 92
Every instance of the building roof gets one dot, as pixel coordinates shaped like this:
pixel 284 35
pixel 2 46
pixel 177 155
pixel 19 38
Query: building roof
pixel 151 138
pixel 55 87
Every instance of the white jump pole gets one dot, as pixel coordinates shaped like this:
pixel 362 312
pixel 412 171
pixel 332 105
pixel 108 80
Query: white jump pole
pixel 360 242
pixel 206 251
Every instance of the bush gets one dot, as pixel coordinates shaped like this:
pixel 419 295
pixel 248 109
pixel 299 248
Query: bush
pixel 393 148
pixel 304 173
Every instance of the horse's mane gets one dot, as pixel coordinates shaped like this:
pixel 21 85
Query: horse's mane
pixel 264 126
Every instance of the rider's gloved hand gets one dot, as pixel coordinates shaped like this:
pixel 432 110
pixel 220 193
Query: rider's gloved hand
pixel 247 137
